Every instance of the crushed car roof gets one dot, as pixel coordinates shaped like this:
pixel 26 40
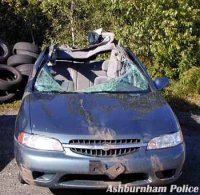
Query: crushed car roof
pixel 107 43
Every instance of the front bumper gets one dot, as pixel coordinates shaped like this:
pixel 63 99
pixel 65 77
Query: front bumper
pixel 59 170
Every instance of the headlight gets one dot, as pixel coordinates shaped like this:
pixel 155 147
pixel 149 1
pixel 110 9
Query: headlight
pixel 39 142
pixel 165 141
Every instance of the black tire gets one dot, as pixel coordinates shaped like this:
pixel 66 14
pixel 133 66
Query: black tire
pixel 28 53
pixel 4 51
pixel 25 69
pixel 10 78
pixel 25 46
pixel 6 96
pixel 20 59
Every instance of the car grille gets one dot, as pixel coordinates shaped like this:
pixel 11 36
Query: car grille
pixel 104 148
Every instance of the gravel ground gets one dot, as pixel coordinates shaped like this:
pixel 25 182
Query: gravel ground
pixel 8 168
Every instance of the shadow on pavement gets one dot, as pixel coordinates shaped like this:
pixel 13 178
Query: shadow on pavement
pixel 77 192
pixel 191 167
pixel 7 123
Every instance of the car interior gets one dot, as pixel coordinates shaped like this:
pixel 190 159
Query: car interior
pixel 76 76
pixel 111 71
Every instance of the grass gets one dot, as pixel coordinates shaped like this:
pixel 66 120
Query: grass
pixel 182 102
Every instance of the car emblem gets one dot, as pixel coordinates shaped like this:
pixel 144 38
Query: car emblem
pixel 106 147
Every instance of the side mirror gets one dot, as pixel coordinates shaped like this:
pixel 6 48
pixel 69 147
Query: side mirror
pixel 161 82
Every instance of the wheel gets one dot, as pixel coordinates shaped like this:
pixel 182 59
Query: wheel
pixel 4 51
pixel 25 69
pixel 28 53
pixel 6 96
pixel 20 59
pixel 10 78
pixel 25 46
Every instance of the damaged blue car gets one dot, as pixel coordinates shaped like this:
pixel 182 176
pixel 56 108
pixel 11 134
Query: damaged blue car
pixel 92 117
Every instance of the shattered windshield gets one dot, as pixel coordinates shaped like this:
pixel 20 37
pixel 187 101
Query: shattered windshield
pixel 130 80
pixel 112 75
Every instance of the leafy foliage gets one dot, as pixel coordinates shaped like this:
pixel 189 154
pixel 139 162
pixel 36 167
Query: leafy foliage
pixel 189 82
pixel 165 35
pixel 20 19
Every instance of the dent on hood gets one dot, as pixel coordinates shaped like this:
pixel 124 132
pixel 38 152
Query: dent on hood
pixel 96 131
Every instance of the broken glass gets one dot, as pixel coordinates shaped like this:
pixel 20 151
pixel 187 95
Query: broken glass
pixel 130 80
pixel 45 82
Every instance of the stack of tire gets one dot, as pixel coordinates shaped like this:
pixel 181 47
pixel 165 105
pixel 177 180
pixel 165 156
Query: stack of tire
pixel 15 69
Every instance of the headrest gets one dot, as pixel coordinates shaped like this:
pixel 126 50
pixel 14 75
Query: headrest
pixel 105 65
pixel 113 65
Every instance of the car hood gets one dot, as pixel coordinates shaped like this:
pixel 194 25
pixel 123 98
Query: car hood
pixel 100 116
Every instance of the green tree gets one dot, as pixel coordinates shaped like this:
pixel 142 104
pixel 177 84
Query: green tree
pixel 164 33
